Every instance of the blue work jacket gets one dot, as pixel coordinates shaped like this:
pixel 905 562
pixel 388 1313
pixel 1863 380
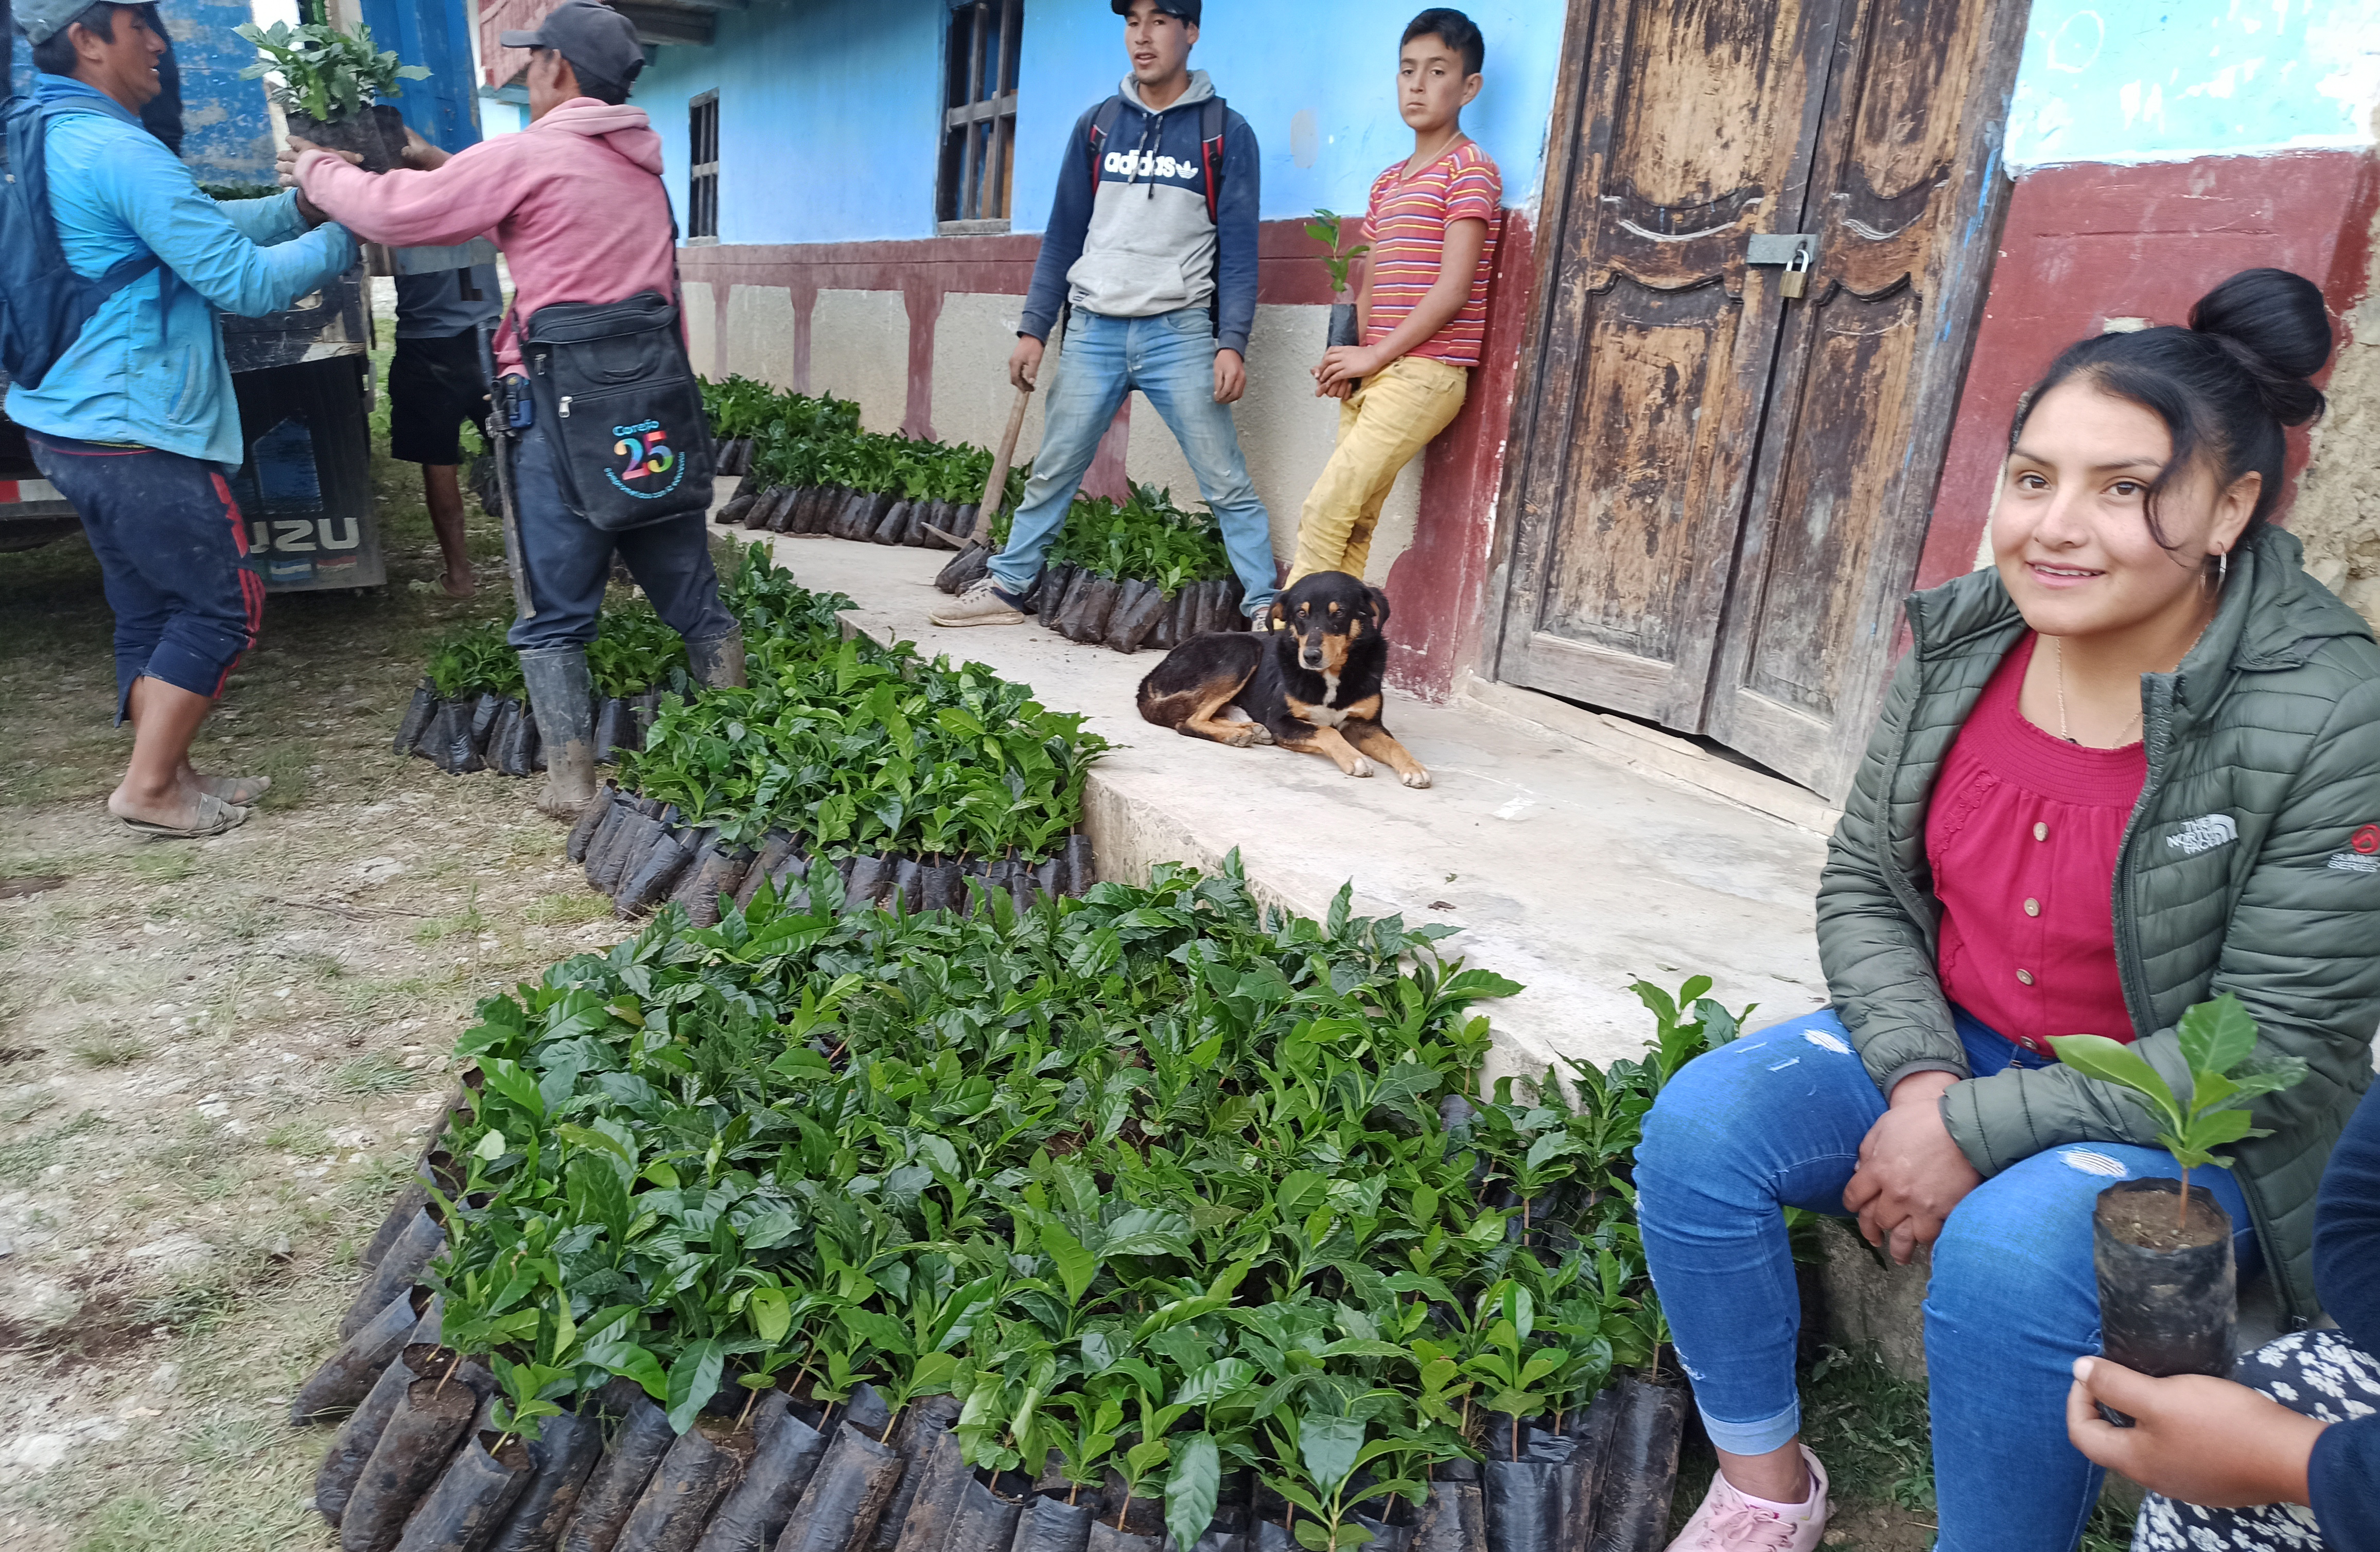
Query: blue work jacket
pixel 149 366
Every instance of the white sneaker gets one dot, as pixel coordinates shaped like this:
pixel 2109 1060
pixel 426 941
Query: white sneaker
pixel 1733 1521
pixel 979 605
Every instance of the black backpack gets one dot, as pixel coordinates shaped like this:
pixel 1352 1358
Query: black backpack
pixel 1210 144
pixel 44 304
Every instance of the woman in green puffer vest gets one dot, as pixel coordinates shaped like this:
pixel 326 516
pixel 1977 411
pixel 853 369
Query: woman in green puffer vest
pixel 2134 766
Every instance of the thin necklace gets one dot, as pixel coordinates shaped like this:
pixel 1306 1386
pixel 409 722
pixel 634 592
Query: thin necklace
pixel 2057 657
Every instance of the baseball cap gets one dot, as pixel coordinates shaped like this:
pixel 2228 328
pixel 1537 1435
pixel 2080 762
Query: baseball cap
pixel 40 21
pixel 1186 9
pixel 599 42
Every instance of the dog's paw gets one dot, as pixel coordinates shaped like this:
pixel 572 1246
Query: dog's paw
pixel 1416 778
pixel 1361 768
pixel 1261 735
pixel 1251 733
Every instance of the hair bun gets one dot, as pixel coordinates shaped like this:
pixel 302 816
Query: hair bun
pixel 2274 325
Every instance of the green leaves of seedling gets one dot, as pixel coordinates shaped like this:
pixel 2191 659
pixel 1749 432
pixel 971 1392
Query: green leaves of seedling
pixel 2216 1039
pixel 1193 1486
pixel 325 73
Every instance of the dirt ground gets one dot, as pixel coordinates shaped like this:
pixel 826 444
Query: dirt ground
pixel 215 1056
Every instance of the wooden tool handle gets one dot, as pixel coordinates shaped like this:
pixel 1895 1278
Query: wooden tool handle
pixel 995 489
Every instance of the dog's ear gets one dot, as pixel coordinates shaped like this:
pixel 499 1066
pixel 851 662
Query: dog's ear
pixel 1280 614
pixel 1379 605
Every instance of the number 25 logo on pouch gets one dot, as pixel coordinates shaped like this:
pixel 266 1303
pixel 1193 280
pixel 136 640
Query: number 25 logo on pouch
pixel 646 458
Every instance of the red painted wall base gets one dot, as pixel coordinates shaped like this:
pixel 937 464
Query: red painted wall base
pixel 2087 243
pixel 1435 589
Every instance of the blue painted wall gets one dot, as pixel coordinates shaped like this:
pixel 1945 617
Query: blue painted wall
pixel 827 114
pixel 2163 80
pixel 830 111
pixel 1316 80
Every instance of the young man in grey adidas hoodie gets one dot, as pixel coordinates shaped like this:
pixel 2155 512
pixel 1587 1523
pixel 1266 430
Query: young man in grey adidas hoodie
pixel 1152 239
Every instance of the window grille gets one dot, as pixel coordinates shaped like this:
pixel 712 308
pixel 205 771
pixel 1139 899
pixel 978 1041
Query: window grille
pixel 978 161
pixel 703 151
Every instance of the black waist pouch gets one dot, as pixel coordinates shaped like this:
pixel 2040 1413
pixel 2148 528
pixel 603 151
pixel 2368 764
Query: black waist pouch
pixel 621 404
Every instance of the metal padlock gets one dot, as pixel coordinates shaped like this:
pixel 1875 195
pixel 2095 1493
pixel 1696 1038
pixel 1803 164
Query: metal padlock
pixel 1796 278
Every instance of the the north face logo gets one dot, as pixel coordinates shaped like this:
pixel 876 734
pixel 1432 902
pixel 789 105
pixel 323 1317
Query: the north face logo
pixel 2203 834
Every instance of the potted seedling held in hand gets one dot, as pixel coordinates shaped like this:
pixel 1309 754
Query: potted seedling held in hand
pixel 2168 1291
pixel 1328 228
pixel 330 84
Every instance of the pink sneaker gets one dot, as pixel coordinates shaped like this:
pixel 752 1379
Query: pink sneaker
pixel 1733 1521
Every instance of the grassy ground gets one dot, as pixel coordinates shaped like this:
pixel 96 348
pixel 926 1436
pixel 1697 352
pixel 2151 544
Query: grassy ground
pixel 216 1056
pixel 1868 1426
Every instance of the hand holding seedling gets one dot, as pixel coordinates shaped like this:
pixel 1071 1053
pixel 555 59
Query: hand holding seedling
pixel 2194 1438
pixel 2217 1037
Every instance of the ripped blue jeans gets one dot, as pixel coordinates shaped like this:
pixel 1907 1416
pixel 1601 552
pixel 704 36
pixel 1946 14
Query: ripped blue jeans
pixel 1776 1120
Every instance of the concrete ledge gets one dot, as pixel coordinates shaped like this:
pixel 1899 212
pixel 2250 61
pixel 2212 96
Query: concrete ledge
pixel 1573 865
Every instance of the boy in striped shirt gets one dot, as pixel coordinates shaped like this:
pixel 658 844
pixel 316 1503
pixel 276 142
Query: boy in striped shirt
pixel 1432 225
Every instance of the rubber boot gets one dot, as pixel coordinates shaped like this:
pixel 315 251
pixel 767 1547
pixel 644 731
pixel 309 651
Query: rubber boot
pixel 718 661
pixel 563 697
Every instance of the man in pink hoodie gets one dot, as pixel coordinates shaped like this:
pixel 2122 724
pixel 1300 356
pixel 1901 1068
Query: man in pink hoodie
pixel 577 203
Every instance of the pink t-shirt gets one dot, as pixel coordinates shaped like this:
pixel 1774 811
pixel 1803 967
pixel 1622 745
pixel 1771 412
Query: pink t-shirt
pixel 1407 227
pixel 2023 834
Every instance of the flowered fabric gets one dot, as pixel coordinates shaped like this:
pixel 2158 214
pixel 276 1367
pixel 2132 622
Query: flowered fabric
pixel 2319 1373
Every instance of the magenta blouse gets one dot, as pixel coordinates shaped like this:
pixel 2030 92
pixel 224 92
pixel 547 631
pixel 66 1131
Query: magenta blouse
pixel 2023 834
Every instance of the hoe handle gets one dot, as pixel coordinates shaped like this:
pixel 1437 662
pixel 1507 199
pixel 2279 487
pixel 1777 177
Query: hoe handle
pixel 995 489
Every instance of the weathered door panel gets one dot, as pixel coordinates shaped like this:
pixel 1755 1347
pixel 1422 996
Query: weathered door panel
pixel 1697 122
pixel 1720 493
pixel 1905 199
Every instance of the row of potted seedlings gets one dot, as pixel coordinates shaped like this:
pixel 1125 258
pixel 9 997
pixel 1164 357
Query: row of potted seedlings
pixel 641 852
pixel 470 712
pixel 1142 573
pixel 1145 1221
pixel 844 769
pixel 883 516
pixel 1126 614
pixel 808 468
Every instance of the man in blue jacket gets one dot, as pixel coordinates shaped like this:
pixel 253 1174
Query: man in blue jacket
pixel 1152 240
pixel 135 424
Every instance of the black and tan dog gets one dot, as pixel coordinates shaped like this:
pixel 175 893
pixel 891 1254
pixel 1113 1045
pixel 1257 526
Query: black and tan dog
pixel 1311 683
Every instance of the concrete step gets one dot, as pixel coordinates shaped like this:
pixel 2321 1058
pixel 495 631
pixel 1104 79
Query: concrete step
pixel 1572 867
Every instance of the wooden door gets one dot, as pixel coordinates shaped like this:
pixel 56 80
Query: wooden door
pixel 1721 491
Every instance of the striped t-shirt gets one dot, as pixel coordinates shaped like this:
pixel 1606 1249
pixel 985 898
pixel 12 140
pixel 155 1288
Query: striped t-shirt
pixel 1407 227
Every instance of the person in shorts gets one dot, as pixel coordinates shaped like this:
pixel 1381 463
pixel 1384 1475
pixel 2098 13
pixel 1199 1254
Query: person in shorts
pixel 134 421
pixel 436 383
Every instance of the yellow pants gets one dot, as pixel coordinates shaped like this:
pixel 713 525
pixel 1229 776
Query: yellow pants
pixel 1382 429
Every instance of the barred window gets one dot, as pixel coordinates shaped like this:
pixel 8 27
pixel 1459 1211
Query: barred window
pixel 979 117
pixel 703 151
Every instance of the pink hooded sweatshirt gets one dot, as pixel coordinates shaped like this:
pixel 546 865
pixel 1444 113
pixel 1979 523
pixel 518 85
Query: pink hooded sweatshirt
pixel 574 201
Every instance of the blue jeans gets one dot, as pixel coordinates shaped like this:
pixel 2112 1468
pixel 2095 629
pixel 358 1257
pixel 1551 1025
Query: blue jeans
pixel 1170 357
pixel 1776 1118
pixel 172 558
pixel 568 561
